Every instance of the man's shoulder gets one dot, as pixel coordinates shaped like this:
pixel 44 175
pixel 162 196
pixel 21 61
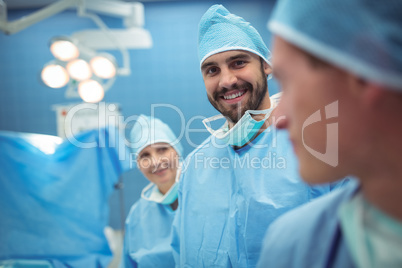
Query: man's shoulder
pixel 305 233
pixel 309 228
pixel 205 145
pixel 312 213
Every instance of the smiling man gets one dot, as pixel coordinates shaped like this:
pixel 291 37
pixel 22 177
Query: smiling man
pixel 344 54
pixel 245 174
pixel 236 81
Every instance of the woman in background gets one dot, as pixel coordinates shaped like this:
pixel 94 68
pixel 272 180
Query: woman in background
pixel 148 225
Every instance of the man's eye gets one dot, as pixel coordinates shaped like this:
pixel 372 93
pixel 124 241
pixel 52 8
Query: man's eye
pixel 212 70
pixel 239 63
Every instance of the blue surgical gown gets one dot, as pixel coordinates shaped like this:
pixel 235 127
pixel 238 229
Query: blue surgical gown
pixel 229 197
pixel 309 236
pixel 148 236
pixel 54 199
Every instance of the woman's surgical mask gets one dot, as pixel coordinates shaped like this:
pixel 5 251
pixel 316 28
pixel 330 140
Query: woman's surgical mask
pixel 156 196
pixel 245 129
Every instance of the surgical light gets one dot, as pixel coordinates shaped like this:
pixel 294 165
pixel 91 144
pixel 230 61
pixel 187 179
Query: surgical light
pixel 89 74
pixel 55 76
pixel 104 66
pixel 91 91
pixel 79 69
pixel 64 49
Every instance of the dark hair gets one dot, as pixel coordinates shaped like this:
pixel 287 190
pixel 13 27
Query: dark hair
pixel 314 61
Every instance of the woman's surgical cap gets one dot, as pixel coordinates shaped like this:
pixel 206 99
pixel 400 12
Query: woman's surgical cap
pixel 220 31
pixel 148 130
pixel 363 37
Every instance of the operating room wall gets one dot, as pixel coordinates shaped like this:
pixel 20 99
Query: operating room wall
pixel 167 75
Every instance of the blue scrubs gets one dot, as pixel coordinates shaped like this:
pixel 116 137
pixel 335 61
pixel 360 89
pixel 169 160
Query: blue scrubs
pixel 309 236
pixel 229 197
pixel 148 236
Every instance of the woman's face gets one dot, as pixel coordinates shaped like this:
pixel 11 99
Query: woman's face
pixel 158 162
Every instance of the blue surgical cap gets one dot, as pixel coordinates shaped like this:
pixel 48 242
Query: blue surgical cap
pixel 148 130
pixel 363 37
pixel 220 31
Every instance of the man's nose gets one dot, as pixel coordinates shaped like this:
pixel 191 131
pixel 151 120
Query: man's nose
pixel 227 78
pixel 279 118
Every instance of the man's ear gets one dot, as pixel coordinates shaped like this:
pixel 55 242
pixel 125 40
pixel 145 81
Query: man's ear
pixel 368 92
pixel 267 68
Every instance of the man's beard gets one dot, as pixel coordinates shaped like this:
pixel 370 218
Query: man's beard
pixel 237 111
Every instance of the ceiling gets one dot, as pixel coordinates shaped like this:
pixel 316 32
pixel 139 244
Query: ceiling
pixel 22 4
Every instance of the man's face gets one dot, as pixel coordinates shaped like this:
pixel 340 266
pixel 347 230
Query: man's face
pixel 314 89
pixel 236 81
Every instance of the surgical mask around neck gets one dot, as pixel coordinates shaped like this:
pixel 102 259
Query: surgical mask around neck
pixel 373 238
pixel 156 196
pixel 243 131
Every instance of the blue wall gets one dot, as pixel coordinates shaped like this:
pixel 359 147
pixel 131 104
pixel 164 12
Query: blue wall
pixel 168 73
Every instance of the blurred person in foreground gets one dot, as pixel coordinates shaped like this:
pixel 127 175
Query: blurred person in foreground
pixel 339 64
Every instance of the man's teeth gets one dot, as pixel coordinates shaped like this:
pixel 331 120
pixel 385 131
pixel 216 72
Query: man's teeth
pixel 233 96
